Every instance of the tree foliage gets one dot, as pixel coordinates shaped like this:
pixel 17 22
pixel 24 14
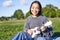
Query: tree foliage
pixel 58 13
pixel 28 14
pixel 18 14
pixel 50 11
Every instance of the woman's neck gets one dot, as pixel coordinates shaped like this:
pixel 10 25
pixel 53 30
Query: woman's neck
pixel 34 16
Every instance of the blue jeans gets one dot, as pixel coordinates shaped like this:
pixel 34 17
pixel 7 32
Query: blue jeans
pixel 42 38
pixel 26 36
pixel 22 36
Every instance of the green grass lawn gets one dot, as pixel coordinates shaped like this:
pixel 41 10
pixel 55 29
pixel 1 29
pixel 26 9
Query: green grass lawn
pixel 10 28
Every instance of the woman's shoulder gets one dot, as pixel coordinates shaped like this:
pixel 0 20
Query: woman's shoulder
pixel 45 17
pixel 29 17
pixel 42 16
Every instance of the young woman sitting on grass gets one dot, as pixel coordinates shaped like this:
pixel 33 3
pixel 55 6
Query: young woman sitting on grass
pixel 36 19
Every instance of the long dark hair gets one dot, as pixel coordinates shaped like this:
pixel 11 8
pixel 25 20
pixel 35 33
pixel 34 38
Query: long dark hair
pixel 40 7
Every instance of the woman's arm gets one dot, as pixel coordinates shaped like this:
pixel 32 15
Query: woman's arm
pixel 27 27
pixel 49 28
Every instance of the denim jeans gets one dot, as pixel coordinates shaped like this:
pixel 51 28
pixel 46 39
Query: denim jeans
pixel 43 38
pixel 26 36
pixel 22 36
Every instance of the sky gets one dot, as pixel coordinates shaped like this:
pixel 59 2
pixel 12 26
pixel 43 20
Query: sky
pixel 8 7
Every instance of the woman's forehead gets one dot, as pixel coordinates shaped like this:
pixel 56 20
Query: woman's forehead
pixel 35 4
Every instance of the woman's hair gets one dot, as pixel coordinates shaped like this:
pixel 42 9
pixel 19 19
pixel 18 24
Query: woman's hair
pixel 40 7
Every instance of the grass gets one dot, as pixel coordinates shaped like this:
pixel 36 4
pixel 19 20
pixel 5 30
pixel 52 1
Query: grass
pixel 10 28
pixel 56 26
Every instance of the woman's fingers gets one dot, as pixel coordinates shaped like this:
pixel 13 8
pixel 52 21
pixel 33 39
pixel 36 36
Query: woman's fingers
pixel 43 28
pixel 30 31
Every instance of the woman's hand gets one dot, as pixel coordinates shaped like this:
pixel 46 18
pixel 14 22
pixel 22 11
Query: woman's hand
pixel 30 31
pixel 43 28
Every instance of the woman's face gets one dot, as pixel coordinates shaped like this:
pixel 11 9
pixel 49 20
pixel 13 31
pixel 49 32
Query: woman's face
pixel 35 9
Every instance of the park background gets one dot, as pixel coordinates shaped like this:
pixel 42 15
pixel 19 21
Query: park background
pixel 13 14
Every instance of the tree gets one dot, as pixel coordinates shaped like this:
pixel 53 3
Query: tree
pixel 49 11
pixel 3 18
pixel 58 13
pixel 18 14
pixel 28 14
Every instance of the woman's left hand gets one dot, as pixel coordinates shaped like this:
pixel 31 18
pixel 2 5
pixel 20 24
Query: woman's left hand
pixel 42 28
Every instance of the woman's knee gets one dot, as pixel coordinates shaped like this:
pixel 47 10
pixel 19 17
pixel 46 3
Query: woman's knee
pixel 41 38
pixel 58 38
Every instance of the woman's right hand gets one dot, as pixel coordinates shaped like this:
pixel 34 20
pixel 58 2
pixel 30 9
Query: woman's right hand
pixel 30 31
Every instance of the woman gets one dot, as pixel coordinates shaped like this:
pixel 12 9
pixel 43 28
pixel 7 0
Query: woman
pixel 37 20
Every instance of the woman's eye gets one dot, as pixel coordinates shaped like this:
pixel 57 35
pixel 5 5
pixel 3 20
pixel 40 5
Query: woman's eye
pixel 37 7
pixel 32 7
